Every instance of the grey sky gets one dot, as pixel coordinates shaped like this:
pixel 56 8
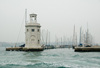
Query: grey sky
pixel 58 16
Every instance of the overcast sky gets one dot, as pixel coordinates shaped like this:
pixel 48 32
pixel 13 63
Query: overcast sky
pixel 58 16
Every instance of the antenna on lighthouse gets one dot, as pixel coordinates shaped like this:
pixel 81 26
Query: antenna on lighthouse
pixel 25 15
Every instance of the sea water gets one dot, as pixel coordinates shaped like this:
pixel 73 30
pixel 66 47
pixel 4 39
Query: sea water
pixel 51 58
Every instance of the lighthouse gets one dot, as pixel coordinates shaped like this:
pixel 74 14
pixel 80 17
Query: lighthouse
pixel 32 33
pixel 32 36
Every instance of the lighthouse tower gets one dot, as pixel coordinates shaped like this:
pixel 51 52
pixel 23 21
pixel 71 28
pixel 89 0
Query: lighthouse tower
pixel 32 34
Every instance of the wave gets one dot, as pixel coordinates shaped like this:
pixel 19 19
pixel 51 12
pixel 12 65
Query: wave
pixel 34 65
pixel 96 57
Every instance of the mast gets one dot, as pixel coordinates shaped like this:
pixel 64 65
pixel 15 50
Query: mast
pixel 25 15
pixel 42 37
pixel 47 37
pixel 61 40
pixel 87 35
pixel 80 35
pixel 74 36
pixel 76 39
pixel 55 40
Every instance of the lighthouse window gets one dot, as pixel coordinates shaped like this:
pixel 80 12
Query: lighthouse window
pixel 32 30
pixel 38 30
pixel 27 30
pixel 38 41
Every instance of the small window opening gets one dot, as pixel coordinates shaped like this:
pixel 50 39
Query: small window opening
pixel 38 41
pixel 38 30
pixel 33 30
pixel 27 30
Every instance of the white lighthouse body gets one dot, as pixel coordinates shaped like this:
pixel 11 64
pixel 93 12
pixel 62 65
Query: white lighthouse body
pixel 32 34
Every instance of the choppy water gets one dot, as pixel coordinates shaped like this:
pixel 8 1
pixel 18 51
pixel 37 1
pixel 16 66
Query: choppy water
pixel 53 58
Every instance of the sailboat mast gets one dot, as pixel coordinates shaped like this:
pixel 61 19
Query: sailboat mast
pixel 80 35
pixel 76 39
pixel 87 37
pixel 42 37
pixel 25 15
pixel 47 38
pixel 74 36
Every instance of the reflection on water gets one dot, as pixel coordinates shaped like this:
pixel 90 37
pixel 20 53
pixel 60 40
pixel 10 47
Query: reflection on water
pixel 32 54
pixel 29 56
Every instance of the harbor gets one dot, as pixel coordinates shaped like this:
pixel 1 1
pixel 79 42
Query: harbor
pixel 53 27
pixel 49 33
pixel 38 40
